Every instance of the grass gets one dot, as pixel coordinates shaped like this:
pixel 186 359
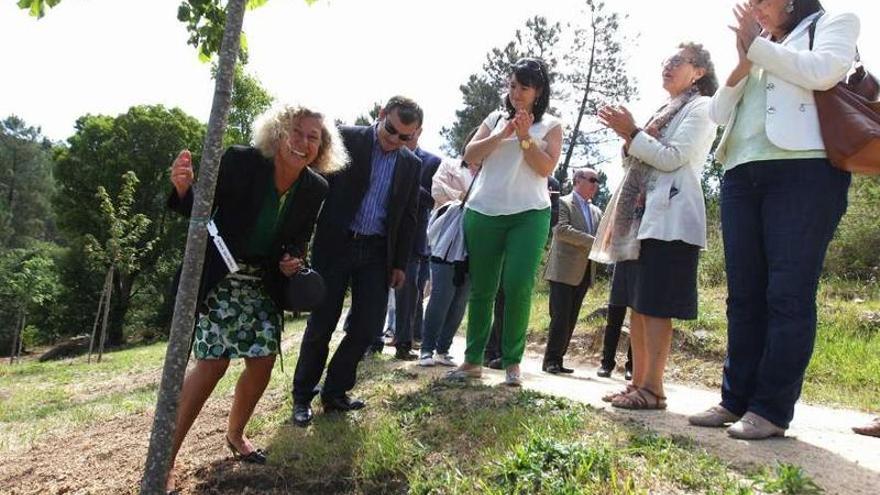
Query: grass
pixel 419 435
pixel 425 436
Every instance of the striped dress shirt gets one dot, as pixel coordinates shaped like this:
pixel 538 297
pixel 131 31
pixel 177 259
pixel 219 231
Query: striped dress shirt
pixel 370 218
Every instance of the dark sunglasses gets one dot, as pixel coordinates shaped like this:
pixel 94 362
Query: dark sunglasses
pixel 593 180
pixel 390 129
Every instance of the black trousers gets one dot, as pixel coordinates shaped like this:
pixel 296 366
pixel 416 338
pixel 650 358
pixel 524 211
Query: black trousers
pixel 565 305
pixel 616 315
pixel 363 267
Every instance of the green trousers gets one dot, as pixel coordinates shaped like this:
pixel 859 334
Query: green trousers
pixel 510 245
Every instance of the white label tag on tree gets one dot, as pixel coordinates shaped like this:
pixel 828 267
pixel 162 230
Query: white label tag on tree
pixel 221 247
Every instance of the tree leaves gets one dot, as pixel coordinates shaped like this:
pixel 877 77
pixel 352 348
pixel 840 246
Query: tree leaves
pixel 37 8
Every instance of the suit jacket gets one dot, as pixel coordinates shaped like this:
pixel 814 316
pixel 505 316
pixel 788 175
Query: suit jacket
pixel 571 244
pixel 242 180
pixel 793 73
pixel 430 164
pixel 347 190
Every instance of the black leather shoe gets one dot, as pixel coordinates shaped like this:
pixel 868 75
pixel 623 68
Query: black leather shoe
pixel 302 415
pixel 342 403
pixel 405 355
pixel 603 372
pixel 567 371
pixel 553 369
pixel 628 375
pixel 494 364
pixel 256 456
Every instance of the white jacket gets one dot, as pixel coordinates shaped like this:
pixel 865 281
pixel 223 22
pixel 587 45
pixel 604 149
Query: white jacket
pixel 675 209
pixel 793 72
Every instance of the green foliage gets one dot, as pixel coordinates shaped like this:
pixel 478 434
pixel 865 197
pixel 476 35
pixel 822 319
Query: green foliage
pixel 482 93
pixel 594 75
pixel 26 184
pixel 143 140
pixel 788 479
pixel 205 21
pixel 28 286
pixel 853 252
pixel 371 116
pixel 249 100
pixel 125 246
pixel 37 8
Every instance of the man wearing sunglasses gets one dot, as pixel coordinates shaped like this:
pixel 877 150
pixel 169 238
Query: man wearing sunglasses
pixel 363 240
pixel 569 271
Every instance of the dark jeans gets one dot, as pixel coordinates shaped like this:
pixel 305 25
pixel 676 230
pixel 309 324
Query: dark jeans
pixel 613 324
pixel 409 303
pixel 363 266
pixel 445 308
pixel 565 305
pixel 493 346
pixel 777 219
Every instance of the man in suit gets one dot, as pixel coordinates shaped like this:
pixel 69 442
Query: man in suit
pixel 409 298
pixel 569 270
pixel 363 240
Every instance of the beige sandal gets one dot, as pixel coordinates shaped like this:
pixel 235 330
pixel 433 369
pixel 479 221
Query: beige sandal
pixel 640 399
pixel 610 396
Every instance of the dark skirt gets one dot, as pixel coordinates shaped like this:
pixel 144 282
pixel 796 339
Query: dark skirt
pixel 662 283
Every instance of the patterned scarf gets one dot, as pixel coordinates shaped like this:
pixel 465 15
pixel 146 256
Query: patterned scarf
pixel 618 236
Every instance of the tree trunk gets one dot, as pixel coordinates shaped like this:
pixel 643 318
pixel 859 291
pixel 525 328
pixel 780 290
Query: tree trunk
pixel 562 172
pixel 122 288
pixel 16 336
pixel 101 302
pixel 109 298
pixel 176 356
pixel 21 335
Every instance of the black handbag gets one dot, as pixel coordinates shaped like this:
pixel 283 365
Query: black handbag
pixel 304 290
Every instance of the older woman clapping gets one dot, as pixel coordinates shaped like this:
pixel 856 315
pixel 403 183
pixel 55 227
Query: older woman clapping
pixel 781 201
pixel 657 223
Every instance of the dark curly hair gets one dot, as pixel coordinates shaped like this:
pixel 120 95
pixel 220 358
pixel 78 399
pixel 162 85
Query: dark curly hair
pixel 532 73
pixel 707 84
pixel 802 10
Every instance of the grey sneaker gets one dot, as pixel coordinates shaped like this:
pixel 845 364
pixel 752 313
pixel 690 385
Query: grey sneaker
pixel 444 360
pixel 754 427
pixel 714 417
pixel 513 377
pixel 426 360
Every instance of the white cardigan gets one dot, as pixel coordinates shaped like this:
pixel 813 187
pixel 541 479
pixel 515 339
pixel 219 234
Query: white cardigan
pixel 679 158
pixel 793 72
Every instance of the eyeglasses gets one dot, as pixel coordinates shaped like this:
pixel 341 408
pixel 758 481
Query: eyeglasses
pixel 677 60
pixel 593 180
pixel 390 129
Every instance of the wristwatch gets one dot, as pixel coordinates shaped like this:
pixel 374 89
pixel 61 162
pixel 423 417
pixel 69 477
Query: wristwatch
pixel 525 143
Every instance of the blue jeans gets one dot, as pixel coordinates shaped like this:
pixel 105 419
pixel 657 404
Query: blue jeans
pixel 445 308
pixel 777 218
pixel 409 303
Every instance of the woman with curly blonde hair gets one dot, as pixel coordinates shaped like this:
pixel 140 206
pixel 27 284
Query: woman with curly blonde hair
pixel 265 206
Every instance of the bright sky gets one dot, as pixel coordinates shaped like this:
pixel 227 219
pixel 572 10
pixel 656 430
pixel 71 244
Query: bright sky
pixel 103 56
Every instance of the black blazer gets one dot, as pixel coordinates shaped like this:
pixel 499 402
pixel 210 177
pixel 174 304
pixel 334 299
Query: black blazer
pixel 242 180
pixel 347 190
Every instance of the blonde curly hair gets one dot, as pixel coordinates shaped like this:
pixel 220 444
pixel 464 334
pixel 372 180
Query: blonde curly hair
pixel 274 127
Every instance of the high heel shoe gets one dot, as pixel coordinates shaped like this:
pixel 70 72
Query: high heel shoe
pixel 257 456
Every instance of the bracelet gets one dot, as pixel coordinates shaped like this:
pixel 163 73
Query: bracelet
pixel 634 133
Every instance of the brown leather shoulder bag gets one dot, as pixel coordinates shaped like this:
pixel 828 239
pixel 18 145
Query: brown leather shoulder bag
pixel 849 117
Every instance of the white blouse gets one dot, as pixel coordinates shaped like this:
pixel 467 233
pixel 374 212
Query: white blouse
pixel 507 184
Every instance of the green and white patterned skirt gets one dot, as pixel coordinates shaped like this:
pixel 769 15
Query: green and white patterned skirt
pixel 239 320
